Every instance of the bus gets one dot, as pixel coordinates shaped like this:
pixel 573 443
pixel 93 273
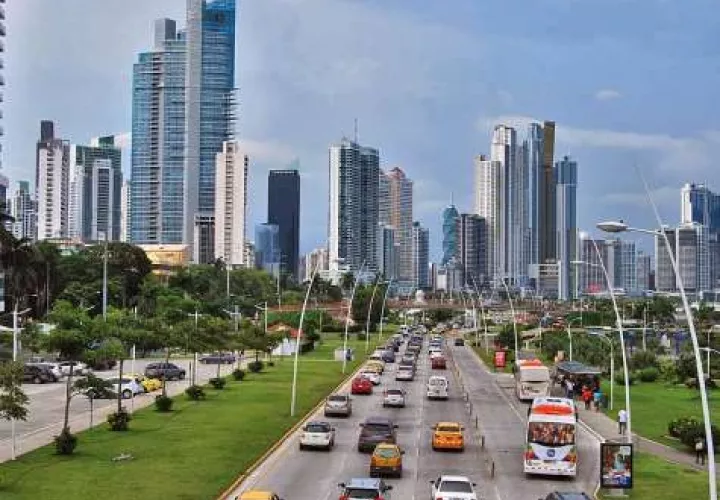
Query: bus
pixel 550 446
pixel 532 379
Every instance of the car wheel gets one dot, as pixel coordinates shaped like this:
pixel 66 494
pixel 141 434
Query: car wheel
pixel 127 394
pixel 302 447
pixel 399 474
pixel 181 376
pixel 37 380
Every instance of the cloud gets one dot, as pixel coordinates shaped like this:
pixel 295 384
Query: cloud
pixel 268 152
pixel 607 95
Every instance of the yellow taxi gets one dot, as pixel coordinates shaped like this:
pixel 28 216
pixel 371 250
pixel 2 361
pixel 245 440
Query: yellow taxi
pixel 376 366
pixel 147 383
pixel 386 460
pixel 448 436
pixel 258 495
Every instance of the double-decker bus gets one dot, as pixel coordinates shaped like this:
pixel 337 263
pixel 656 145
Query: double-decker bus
pixel 550 446
pixel 532 379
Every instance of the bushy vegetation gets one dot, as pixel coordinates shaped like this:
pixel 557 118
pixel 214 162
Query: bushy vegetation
pixel 689 429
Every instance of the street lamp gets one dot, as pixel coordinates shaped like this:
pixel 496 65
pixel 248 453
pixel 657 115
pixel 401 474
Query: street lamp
pixel 567 328
pixel 601 335
pixel 15 314
pixel 708 350
pixel 347 316
pixel 382 312
pixel 105 277
pixel 482 311
pixel 619 227
pixel 369 312
pixel 512 311
pixel 264 309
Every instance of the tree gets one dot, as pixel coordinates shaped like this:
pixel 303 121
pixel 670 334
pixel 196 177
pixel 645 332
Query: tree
pixel 253 338
pixel 13 400
pixel 361 304
pixel 347 281
pixel 16 258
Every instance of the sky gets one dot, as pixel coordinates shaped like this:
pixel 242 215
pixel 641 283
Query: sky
pixel 631 84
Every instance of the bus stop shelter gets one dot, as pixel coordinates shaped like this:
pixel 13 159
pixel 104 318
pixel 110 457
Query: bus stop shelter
pixel 579 373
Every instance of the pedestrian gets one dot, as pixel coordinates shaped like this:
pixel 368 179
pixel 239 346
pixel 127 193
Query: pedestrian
pixel 587 397
pixel 700 451
pixel 622 418
pixel 569 389
pixel 597 398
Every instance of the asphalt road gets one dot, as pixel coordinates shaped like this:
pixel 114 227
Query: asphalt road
pixel 313 475
pixel 47 401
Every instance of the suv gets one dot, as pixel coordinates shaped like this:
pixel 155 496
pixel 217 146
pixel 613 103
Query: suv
pixel 364 488
pixel 218 358
pixel 167 371
pixel 376 430
pixel 338 405
pixel 566 495
pixel 38 374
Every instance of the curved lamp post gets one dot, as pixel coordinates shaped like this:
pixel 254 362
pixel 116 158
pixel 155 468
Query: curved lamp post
pixel 347 316
pixel 619 227
pixel 512 311
pixel 369 312
pixel 482 311
pixel 569 334
pixel 382 311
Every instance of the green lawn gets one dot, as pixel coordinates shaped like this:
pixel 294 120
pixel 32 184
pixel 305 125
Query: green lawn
pixel 653 405
pixel 489 359
pixel 656 479
pixel 193 452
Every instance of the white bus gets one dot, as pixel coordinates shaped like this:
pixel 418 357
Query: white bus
pixel 532 379
pixel 551 447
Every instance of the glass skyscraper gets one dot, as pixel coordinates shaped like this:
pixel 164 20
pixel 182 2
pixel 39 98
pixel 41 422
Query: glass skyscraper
pixel 284 212
pixel 183 111
pixel 566 225
pixel 450 218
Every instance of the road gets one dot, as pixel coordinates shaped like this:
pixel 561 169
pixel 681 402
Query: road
pixel 311 475
pixel 47 403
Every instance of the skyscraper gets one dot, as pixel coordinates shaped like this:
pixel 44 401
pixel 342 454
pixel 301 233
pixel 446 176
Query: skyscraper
pixel 231 185
pixel 396 207
pixel 488 186
pixel 267 248
pixel 690 245
pixel 565 181
pixel 701 205
pixel 183 111
pixel 547 239
pixel 284 211
pixel 644 269
pixel 22 209
pixel 124 210
pixel 388 250
pixel 318 258
pixel 592 278
pixel 472 248
pixel 450 248
pixel 353 214
pixel 533 157
pixel 420 256
pixel 52 169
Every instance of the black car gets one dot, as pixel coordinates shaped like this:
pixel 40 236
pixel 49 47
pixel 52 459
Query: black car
pixel 38 374
pixel 218 358
pixel 167 371
pixel 566 495
pixel 376 430
pixel 388 356
pixel 459 341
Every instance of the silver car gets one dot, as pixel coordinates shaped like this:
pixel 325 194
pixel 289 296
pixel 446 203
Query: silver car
pixel 405 373
pixel 338 405
pixel 394 398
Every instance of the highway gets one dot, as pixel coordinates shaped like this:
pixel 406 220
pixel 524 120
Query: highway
pixel 313 475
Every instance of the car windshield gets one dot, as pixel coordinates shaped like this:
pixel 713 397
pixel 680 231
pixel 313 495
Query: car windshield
pixel 360 494
pixel 448 428
pixel 338 399
pixel 437 381
pixel 456 487
pixel 551 434
pixel 395 392
pixel 386 452
pixel 116 380
pixel 317 428
pixel 377 428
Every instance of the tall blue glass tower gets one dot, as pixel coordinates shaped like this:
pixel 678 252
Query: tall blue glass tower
pixel 183 110
pixel 450 217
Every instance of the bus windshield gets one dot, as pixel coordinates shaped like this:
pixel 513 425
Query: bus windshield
pixel 551 433
pixel 535 375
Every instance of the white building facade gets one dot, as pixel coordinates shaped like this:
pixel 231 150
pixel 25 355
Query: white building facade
pixel 231 178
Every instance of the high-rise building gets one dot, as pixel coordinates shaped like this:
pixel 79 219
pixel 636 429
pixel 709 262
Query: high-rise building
pixel 353 217
pixel 592 278
pixel 267 248
pixel 284 211
pixel 565 181
pixel 124 210
pixel 471 244
pixel 547 235
pixel 2 84
pixel 396 209
pixel 488 187
pixel 701 205
pixel 317 259
pixel 626 267
pixel 532 151
pixel 231 188
pixel 420 256
pixel 388 250
pixel 183 112
pixel 52 170
pixel 690 244
pixel 644 270
pixel 450 248
pixel 22 210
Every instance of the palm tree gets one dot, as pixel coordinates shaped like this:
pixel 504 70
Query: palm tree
pixel 16 259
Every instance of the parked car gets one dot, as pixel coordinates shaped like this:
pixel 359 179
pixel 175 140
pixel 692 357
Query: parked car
pixel 361 385
pixel 338 405
pixel 167 371
pixel 218 358
pixel 317 435
pixel 363 489
pixel 127 388
pixel 38 374
pixel 79 368
pixel 376 430
pixel 456 487
pixel 148 384
pixel 386 460
pixel 54 368
pixel 394 398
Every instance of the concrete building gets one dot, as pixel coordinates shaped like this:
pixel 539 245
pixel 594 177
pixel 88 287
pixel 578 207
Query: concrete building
pixel 701 205
pixel 592 278
pixel 488 187
pixel 421 256
pixel 565 181
pixel 23 210
pixel 267 248
pixel 388 252
pixel 690 243
pixel 317 258
pixel 284 211
pixel 396 210
pixel 472 249
pixel 231 200
pixel 644 270
pixel 52 175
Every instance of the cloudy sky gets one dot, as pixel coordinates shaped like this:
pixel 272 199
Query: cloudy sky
pixel 631 83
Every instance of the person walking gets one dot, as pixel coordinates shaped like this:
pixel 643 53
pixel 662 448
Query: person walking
pixel 569 389
pixel 597 398
pixel 700 451
pixel 622 418
pixel 587 397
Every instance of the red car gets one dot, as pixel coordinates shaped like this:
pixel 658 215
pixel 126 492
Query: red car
pixel 361 385
pixel 438 363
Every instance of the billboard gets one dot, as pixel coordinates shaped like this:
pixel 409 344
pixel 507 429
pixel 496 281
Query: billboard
pixel 499 359
pixel 616 466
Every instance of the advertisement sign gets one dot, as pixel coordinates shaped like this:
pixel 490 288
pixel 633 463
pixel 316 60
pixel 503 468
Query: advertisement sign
pixel 616 469
pixel 499 359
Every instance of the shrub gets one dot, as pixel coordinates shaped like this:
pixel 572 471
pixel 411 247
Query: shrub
pixel 679 426
pixel 307 347
pixel 65 443
pixel 271 363
pixel 361 336
pixel 163 403
pixel 238 374
pixel 119 420
pixel 620 378
pixel 643 359
pixel 692 383
pixel 256 366
pixel 649 374
pixel 668 370
pixel 689 429
pixel 218 383
pixel 195 392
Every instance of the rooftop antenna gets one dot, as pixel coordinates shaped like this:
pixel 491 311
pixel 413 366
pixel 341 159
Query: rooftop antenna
pixel 451 198
pixel 356 130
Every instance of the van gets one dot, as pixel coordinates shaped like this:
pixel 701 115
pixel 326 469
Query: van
pixel 437 387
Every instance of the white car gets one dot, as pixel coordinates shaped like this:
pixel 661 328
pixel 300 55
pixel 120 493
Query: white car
pixel 405 373
pixel 371 376
pixel 434 353
pixel 55 369
pixel 394 398
pixel 452 488
pixel 79 368
pixel 437 387
pixel 128 388
pixel 317 435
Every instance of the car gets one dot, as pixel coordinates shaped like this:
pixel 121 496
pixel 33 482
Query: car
pixel 38 374
pixel 437 387
pixel 394 398
pixel 79 368
pixel 448 436
pixel 376 430
pixel 388 356
pixel 258 495
pixel 377 365
pixel 167 371
pixel 218 358
pixel 364 489
pixel 438 363
pixel 386 459
pixel 147 383
pixel 338 405
pixel 128 388
pixel 54 368
pixel 408 358
pixel 455 487
pixel 361 385
pixel 405 374
pixel 459 341
pixel 435 352
pixel 317 435
pixel 372 376
pixel 566 495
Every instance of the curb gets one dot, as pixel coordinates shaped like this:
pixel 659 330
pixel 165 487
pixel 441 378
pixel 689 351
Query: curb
pixel 254 466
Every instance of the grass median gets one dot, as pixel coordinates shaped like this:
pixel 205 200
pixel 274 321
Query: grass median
pixel 193 452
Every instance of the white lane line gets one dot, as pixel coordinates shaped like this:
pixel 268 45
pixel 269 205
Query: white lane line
pixel 418 440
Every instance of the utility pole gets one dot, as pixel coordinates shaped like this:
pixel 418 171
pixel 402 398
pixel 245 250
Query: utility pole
pixel 105 279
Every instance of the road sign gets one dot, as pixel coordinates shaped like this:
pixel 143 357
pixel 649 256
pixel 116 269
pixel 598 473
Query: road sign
pixel 499 359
